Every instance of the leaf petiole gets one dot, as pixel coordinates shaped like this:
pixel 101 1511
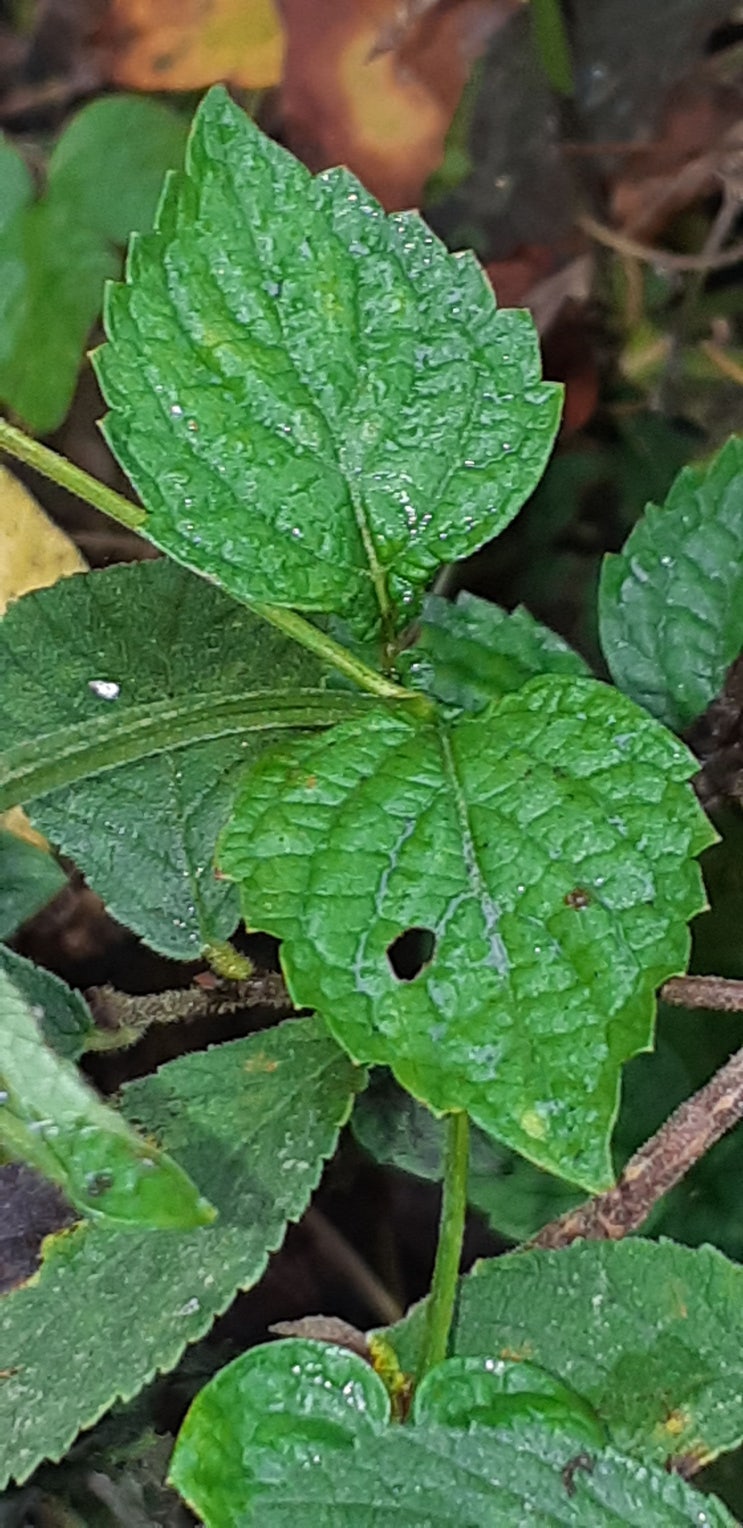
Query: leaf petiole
pixel 55 467
pixel 449 1250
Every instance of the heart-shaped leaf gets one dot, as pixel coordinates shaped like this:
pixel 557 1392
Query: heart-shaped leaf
pixel 485 905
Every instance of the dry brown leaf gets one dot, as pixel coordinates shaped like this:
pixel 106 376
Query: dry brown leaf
pixel 348 98
pixel 186 44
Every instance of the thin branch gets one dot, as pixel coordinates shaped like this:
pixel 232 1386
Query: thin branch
pixel 340 1255
pixel 716 993
pixel 122 1019
pixel 657 1167
pixel 664 259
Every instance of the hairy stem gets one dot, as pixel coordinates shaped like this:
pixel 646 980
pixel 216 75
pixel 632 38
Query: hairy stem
pixel 660 1164
pixel 449 1249
pixel 55 467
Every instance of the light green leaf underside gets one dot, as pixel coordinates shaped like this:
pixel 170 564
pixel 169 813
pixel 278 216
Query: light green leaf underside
pixel 252 1120
pixel 53 1121
pixel 545 845
pixel 316 402
pixel 471 652
pixel 671 602
pixel 29 878
pixel 298 1430
pixel 650 1333
pixel 65 1019
pixel 131 699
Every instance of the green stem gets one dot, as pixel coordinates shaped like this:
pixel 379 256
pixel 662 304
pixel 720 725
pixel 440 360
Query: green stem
pixel 51 465
pixel 55 467
pixel 294 625
pixel 449 1250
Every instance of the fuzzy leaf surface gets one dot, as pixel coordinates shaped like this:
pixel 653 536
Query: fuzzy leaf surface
pixel 302 1428
pixel 671 602
pixel 470 652
pixel 65 1019
pixel 650 1333
pixel 541 853
pixel 53 1121
pixel 252 1120
pixel 153 693
pixel 317 404
pixel 29 878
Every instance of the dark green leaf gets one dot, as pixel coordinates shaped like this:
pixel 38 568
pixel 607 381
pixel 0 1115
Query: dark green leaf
pixel 671 603
pixel 651 1334
pixel 472 652
pixel 317 403
pixel 29 878
pixel 155 690
pixel 51 1120
pixel 65 1018
pixel 252 1121
pixel 300 1431
pixel 532 865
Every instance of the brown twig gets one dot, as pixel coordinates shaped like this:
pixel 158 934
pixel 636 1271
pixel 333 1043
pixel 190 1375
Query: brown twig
pixel 122 1019
pixel 660 1164
pixel 716 993
pixel 615 239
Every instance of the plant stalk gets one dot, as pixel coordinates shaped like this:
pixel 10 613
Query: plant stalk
pixel 449 1249
pixel 55 467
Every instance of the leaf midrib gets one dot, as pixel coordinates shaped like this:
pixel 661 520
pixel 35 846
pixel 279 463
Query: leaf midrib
pixel 73 752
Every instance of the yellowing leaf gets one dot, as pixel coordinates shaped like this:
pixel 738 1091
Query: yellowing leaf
pixel 15 821
pixel 33 551
pixel 184 44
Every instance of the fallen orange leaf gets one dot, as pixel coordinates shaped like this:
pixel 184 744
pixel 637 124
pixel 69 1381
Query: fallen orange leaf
pixel 348 97
pixel 185 44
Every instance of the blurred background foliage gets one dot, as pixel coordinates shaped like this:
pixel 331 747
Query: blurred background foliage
pixel 591 152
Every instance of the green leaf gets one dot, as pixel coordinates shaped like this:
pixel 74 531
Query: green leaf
pixel 56 254
pixel 651 1334
pixel 29 878
pixel 154 692
pixel 110 162
pixel 300 1430
pixel 317 403
pixel 500 1392
pixel 252 1121
pixel 52 274
pixel 16 185
pixel 671 602
pixel 64 1017
pixel 51 1119
pixel 532 863
pixel 472 652
pixel 516 1197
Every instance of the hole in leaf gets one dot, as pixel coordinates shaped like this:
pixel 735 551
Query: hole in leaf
pixel 410 952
